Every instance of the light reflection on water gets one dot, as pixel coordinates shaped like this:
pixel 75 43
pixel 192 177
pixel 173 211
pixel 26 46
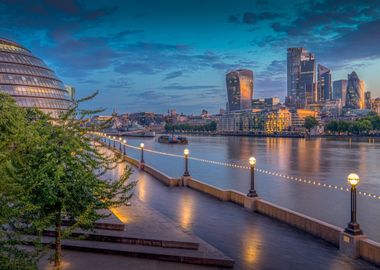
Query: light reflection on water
pixel 326 160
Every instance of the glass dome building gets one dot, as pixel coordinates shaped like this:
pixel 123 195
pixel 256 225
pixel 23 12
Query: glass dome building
pixel 29 81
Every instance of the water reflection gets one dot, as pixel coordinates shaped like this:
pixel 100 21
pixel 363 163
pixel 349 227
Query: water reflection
pixel 186 209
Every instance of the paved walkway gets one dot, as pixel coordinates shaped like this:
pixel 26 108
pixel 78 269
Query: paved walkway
pixel 252 240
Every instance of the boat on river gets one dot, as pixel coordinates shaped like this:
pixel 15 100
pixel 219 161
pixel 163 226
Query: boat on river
pixel 172 139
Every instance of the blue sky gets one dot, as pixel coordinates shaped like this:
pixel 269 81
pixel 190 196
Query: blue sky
pixel 155 55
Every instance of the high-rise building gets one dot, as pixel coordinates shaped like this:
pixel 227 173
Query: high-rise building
pixel 29 81
pixel 239 89
pixel 324 91
pixel 70 90
pixel 355 92
pixel 339 90
pixel 301 72
pixel 367 100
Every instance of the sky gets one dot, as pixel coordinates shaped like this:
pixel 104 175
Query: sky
pixel 155 55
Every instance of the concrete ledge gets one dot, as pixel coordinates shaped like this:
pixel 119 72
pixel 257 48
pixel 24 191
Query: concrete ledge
pixel 224 195
pixel 323 230
pixel 370 251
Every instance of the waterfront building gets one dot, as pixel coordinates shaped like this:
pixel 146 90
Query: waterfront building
pixel 243 121
pixel 367 100
pixel 265 103
pixel 298 118
pixel 278 120
pixel 29 81
pixel 239 90
pixel 301 72
pixel 339 90
pixel 355 92
pixel 324 91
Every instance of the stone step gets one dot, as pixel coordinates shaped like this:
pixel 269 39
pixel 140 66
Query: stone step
pixel 206 255
pixel 123 237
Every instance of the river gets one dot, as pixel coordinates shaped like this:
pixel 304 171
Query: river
pixel 320 160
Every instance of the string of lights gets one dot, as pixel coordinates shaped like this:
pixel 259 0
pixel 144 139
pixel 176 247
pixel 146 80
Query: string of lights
pixel 272 173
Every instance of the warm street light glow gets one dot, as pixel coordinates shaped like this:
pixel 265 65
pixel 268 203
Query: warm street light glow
pixel 114 137
pixel 120 138
pixel 186 152
pixel 353 179
pixel 124 141
pixel 252 161
pixel 142 145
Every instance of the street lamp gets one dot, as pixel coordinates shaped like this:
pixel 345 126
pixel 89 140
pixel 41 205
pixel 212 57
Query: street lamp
pixel 124 142
pixel 142 153
pixel 109 141
pixel 252 191
pixel 120 140
pixel 353 227
pixel 186 154
pixel 114 140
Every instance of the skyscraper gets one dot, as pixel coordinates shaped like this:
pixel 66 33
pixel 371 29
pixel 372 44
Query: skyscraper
pixel 324 91
pixel 367 100
pixel 339 90
pixel 355 92
pixel 239 89
pixel 300 77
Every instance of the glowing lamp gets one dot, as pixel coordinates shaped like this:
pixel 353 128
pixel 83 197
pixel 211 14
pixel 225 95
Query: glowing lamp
pixel 353 179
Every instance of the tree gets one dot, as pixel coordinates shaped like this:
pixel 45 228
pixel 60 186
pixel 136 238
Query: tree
pixel 14 131
pixel 310 122
pixel 59 170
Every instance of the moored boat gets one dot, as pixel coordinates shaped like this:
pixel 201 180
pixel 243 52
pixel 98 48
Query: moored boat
pixel 172 139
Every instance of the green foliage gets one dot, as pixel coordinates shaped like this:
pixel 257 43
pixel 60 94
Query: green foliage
pixel 310 122
pixel 186 127
pixel 53 170
pixel 358 127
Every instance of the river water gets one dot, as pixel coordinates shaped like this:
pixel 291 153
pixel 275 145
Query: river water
pixel 320 160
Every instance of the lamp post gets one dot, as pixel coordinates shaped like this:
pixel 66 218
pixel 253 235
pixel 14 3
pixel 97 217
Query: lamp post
pixel 109 141
pixel 120 140
pixel 186 154
pixel 353 227
pixel 142 153
pixel 114 141
pixel 124 142
pixel 252 191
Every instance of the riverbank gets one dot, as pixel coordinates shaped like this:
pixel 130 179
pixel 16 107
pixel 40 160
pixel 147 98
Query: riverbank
pixel 251 239
pixel 276 135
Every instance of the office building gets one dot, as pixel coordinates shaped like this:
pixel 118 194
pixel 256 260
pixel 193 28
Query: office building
pixel 301 72
pixel 355 92
pixel 324 91
pixel 29 81
pixel 239 90
pixel 339 90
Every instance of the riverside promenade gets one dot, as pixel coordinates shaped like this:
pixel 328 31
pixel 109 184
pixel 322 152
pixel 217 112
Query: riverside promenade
pixel 254 241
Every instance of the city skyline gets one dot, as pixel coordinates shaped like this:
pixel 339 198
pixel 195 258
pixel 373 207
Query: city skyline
pixel 148 56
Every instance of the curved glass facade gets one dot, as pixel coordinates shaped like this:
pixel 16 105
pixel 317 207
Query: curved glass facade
pixel 29 81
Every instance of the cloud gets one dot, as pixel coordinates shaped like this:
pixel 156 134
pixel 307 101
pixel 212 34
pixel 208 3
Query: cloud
pixel 173 75
pixel 176 86
pixel 253 18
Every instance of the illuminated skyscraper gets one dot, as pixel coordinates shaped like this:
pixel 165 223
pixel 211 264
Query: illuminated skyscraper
pixel 355 92
pixel 29 81
pixel 339 90
pixel 239 90
pixel 301 72
pixel 324 91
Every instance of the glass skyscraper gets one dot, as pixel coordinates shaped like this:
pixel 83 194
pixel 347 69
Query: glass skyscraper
pixel 355 92
pixel 29 81
pixel 339 90
pixel 324 91
pixel 301 70
pixel 239 89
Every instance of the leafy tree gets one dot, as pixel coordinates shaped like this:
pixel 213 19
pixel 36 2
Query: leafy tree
pixel 310 122
pixel 59 171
